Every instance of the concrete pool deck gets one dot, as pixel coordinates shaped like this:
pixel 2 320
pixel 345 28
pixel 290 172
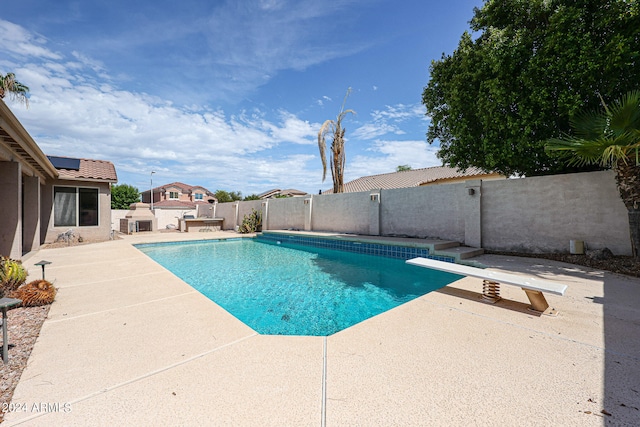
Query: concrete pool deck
pixel 128 343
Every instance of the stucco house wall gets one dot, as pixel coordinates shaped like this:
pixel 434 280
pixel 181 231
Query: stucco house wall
pixel 27 178
pixel 100 232
pixel 185 193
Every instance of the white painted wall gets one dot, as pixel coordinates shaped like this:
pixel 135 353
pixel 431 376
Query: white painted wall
pixel 100 232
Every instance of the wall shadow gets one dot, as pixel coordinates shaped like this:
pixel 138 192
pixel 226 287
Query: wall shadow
pixel 621 310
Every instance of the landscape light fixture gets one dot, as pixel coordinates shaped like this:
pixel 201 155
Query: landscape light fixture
pixel 42 264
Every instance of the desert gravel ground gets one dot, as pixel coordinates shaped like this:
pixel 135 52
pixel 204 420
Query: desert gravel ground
pixel 23 326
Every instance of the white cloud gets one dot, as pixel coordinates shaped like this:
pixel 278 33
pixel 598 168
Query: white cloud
pixel 322 100
pixel 388 121
pixel 374 130
pixel 295 130
pixel 251 44
pixel 76 111
pixel 17 41
pixel 399 112
pixel 96 66
pixel 387 155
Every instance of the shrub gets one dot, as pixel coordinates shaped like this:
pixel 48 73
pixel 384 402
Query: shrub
pixel 38 292
pixel 251 223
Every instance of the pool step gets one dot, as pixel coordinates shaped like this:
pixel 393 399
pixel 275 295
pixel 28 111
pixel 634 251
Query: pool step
pixel 441 245
pixel 460 252
pixel 452 249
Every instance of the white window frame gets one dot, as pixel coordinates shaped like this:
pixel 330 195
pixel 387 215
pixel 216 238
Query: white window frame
pixel 177 193
pixel 77 205
pixel 198 196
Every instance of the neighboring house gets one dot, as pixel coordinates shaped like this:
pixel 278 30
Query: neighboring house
pixel 173 201
pixel 178 195
pixel 276 192
pixel 415 178
pixel 42 199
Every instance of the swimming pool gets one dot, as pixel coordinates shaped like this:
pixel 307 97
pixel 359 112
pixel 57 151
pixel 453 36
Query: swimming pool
pixel 281 288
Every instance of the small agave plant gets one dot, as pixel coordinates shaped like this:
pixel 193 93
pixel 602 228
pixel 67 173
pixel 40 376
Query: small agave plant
pixel 12 275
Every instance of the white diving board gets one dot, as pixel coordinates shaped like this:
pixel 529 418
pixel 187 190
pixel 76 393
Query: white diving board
pixel 532 286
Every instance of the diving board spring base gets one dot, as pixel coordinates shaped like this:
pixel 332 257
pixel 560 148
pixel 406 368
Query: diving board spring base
pixel 539 303
pixel 490 291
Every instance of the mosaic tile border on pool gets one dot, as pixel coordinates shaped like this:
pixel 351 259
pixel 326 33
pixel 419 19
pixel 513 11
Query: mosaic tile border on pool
pixel 188 242
pixel 389 251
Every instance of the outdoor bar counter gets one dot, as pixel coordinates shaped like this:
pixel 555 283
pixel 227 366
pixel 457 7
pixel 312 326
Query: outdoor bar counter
pixel 201 224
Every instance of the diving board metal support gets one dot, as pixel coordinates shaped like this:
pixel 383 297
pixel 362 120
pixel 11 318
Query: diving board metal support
pixel 491 291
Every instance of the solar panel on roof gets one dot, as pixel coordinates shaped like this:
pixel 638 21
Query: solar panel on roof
pixel 65 163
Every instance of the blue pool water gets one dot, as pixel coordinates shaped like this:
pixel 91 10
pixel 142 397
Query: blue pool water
pixel 288 289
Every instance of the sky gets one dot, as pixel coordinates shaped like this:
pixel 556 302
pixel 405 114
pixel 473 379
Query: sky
pixel 229 95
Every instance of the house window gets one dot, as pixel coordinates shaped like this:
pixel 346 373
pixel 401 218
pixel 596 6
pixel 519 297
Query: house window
pixel 173 195
pixel 75 207
pixel 198 196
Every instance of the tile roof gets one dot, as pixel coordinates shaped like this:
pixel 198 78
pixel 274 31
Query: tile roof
pixel 90 170
pixel 178 204
pixel 410 178
pixel 269 193
pixel 291 192
pixel 185 188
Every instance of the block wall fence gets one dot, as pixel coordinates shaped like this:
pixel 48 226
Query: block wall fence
pixel 538 214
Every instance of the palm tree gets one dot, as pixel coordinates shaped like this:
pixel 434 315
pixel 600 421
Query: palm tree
pixel 611 138
pixel 17 91
pixel 334 129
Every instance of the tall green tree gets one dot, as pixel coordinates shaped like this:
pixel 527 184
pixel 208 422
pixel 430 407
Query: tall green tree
pixel 227 196
pixel 337 159
pixel 610 137
pixel 525 70
pixel 15 89
pixel 123 195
